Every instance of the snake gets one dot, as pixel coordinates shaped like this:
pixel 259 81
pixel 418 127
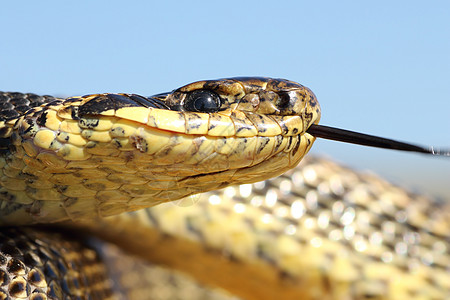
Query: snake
pixel 83 174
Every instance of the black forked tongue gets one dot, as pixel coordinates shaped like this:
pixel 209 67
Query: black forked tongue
pixel 347 136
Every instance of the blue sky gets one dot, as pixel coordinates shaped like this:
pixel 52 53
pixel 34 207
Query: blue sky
pixel 379 67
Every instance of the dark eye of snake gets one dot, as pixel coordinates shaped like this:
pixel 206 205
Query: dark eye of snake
pixel 202 101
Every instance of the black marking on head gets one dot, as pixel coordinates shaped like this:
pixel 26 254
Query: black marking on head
pixel 245 127
pixel 105 102
pixel 149 102
pixel 260 121
pixel 29 112
pixel 284 102
pixel 42 119
pixel 307 118
pixel 211 126
pixel 91 144
pixel 193 121
pixel 160 96
pixel 289 142
pixel 74 113
pixel 279 142
pixel 87 134
pixel 118 131
pixel 66 138
pixel 54 103
pixel 30 130
pixel 88 123
pixel 297 146
pixel 140 144
pixel 263 144
pixel 285 85
pixel 117 143
pixel 70 100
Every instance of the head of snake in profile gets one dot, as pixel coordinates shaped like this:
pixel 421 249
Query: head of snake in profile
pixel 208 134
pixel 126 151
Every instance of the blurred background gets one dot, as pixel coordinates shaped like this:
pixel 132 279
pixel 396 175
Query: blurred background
pixel 381 67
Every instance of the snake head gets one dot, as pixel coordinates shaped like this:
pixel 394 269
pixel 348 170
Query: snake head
pixel 215 133
pixel 255 126
pixel 103 154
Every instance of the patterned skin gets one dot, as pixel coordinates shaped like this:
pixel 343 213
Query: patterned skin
pixel 320 232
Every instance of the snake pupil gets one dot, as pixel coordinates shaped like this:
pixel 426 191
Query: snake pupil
pixel 202 101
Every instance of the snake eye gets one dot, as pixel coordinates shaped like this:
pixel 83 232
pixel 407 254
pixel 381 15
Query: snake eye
pixel 202 101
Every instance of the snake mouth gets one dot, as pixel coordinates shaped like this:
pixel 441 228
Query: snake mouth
pixel 206 147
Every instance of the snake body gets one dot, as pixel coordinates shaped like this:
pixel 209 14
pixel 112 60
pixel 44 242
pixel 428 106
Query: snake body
pixel 319 232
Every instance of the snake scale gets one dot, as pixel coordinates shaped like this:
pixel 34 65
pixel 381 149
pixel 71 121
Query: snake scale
pixel 69 167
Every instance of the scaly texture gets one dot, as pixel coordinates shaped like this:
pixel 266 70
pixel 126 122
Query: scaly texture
pixel 320 232
pixel 38 264
pixel 100 155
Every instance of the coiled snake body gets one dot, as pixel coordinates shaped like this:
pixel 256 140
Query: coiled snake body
pixel 319 231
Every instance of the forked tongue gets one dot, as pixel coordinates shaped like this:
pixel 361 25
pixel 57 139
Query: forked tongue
pixel 347 136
